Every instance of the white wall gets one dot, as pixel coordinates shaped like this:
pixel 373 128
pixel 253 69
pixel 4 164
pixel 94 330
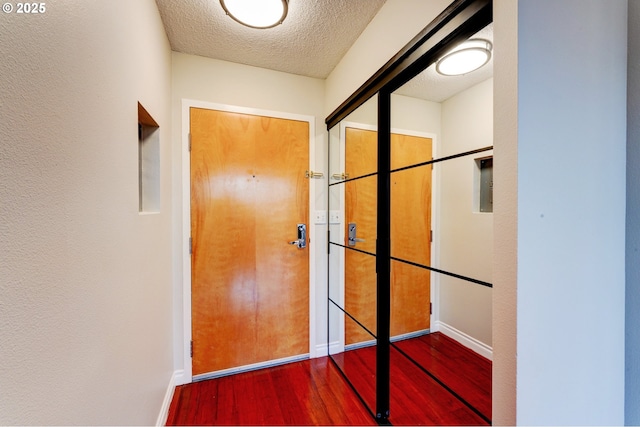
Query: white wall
pixel 416 115
pixel 85 294
pixel 571 140
pixel 505 211
pixel 465 235
pixel 220 82
pixel 632 362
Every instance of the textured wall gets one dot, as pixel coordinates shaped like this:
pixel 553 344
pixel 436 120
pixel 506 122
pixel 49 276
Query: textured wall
pixel 632 377
pixel 571 211
pixel 85 289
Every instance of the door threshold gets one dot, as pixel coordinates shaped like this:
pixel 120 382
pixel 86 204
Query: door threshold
pixel 249 368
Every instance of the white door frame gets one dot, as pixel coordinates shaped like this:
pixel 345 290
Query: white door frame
pixel 187 104
pixel 339 345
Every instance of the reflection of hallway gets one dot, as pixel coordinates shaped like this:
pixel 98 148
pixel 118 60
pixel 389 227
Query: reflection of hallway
pixel 465 372
pixel 313 392
pixel 418 399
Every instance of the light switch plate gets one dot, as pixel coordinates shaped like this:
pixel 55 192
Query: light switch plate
pixel 320 217
pixel 334 217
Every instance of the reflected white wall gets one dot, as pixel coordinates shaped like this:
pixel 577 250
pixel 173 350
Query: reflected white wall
pixel 465 235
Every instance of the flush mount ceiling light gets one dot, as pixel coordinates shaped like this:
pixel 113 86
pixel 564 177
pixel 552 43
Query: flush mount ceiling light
pixel 465 58
pixel 256 13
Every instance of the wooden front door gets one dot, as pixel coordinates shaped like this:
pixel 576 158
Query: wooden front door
pixel 410 234
pixel 250 286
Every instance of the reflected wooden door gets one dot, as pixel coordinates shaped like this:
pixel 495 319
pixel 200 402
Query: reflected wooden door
pixel 250 287
pixel 361 147
pixel 410 234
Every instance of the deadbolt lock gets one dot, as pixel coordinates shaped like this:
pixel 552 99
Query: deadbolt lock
pixel 301 242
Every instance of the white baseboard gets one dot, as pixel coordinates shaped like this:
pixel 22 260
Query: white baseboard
pixel 248 368
pixel 464 339
pixel 181 378
pixel 332 348
pixel 166 402
pixel 321 350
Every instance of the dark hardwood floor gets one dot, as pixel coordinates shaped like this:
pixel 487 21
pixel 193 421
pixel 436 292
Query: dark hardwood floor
pixel 313 392
pixel 465 372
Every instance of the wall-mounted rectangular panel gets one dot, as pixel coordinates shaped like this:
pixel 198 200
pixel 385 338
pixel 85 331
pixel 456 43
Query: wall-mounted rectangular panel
pixel 486 184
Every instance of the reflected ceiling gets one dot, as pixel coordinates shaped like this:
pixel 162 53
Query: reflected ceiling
pixel 432 86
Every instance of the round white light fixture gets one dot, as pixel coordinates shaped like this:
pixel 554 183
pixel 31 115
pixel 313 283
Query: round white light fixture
pixel 465 58
pixel 256 13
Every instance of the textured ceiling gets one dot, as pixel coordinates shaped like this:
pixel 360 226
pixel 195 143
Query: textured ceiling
pixel 313 38
pixel 310 42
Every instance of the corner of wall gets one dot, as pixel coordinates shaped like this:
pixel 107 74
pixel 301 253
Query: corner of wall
pixel 632 342
pixel 505 89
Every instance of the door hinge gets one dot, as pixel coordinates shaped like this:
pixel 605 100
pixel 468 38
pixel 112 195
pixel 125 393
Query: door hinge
pixel 191 349
pixel 190 245
pixel 430 312
pixel 430 236
pixel 189 141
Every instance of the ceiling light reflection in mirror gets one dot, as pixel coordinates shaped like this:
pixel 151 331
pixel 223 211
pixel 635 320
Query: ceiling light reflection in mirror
pixel 433 86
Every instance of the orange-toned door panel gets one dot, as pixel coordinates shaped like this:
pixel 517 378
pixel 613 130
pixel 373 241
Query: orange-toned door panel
pixel 250 287
pixel 410 233
pixel 361 158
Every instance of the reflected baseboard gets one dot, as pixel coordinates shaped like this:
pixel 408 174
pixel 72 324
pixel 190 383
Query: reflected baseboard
pixel 410 335
pixel 466 340
pixel 333 347
pixel 336 347
pixel 363 344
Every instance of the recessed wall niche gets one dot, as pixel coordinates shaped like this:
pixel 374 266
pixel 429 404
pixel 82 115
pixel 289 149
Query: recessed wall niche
pixel 148 162
pixel 483 185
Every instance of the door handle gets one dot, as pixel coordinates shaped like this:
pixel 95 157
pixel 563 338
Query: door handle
pixel 353 230
pixel 301 242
